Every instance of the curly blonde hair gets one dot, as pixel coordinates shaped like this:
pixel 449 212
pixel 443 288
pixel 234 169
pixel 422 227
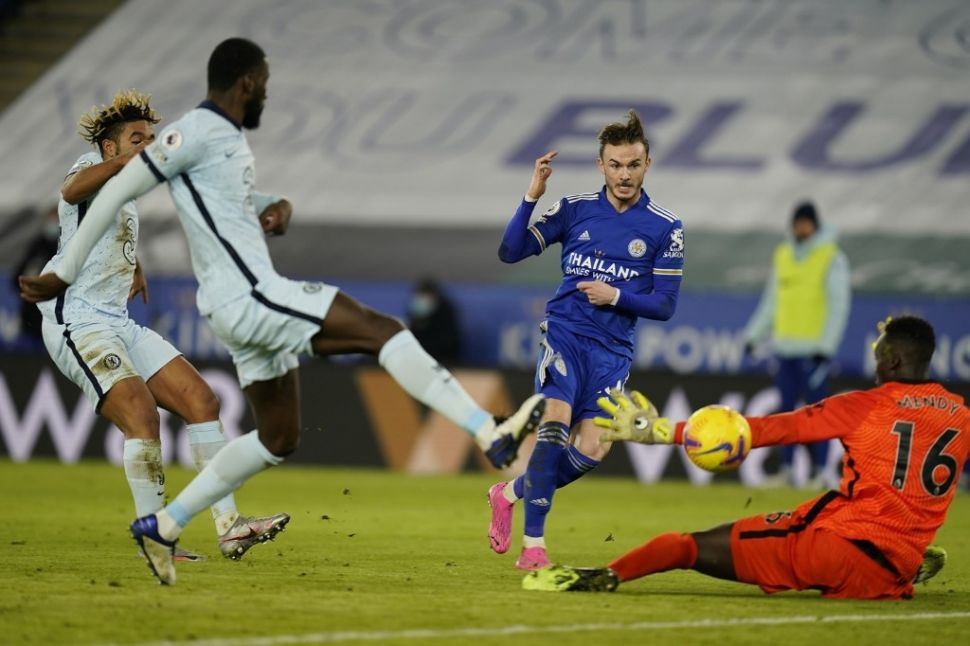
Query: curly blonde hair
pixel 107 121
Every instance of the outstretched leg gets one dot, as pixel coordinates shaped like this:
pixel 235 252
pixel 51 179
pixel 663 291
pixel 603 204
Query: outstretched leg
pixel 353 327
pixel 713 553
pixel 707 552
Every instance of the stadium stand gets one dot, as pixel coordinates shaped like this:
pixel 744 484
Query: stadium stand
pixel 35 33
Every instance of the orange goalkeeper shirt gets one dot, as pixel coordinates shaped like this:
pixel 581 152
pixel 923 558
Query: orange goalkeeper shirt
pixel 905 447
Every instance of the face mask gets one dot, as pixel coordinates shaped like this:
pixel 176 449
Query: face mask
pixel 52 230
pixel 422 305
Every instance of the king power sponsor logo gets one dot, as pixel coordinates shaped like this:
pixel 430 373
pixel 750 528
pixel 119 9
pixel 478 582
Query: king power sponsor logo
pixel 701 349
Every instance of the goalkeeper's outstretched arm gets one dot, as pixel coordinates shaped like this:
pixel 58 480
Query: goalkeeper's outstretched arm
pixel 634 419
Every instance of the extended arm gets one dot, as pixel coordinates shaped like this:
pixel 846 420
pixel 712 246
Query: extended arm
pixel 637 420
pixel 133 181
pixel 81 185
pixel 831 418
pixel 520 240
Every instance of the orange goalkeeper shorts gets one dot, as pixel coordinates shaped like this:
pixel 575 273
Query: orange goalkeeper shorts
pixel 783 551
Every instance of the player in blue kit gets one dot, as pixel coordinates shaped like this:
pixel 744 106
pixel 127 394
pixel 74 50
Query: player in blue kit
pixel 264 319
pixel 622 259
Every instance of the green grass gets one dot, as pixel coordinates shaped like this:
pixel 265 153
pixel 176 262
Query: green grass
pixel 398 553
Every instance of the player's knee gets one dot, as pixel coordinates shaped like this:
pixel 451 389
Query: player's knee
pixel 714 556
pixel 280 434
pixel 141 421
pixel 382 328
pixel 203 406
pixel 592 448
pixel 597 452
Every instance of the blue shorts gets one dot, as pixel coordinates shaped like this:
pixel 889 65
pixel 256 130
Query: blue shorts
pixel 577 370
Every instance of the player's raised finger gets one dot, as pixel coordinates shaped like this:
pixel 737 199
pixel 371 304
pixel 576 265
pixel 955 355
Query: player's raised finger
pixel 548 157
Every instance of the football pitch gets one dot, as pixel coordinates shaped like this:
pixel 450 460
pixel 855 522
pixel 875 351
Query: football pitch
pixel 379 557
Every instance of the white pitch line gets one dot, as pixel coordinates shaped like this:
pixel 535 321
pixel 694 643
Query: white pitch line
pixel 506 631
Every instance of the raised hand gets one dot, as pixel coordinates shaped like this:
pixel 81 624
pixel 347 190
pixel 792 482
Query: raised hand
pixel 543 170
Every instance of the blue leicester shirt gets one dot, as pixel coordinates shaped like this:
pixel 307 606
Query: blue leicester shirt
pixel 639 251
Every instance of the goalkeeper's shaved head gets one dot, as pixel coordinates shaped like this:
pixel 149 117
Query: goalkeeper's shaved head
pixel 914 339
pixel 905 349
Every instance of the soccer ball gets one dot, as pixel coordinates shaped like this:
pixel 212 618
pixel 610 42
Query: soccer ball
pixel 717 438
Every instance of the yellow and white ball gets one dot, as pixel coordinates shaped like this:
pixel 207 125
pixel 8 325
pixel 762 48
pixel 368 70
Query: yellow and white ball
pixel 717 438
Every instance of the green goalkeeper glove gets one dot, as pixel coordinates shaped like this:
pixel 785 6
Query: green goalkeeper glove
pixel 634 419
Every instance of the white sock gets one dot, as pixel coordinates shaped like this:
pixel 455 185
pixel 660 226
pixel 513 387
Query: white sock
pixel 533 541
pixel 205 440
pixel 508 492
pixel 238 461
pixel 431 384
pixel 146 479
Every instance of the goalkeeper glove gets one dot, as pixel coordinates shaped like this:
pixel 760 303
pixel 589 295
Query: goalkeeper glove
pixel 634 419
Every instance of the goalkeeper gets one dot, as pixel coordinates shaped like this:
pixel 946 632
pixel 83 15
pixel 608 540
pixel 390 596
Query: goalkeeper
pixel 905 440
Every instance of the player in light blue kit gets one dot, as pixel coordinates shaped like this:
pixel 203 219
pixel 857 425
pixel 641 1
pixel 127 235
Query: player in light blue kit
pixel 264 320
pixel 622 259
pixel 127 370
